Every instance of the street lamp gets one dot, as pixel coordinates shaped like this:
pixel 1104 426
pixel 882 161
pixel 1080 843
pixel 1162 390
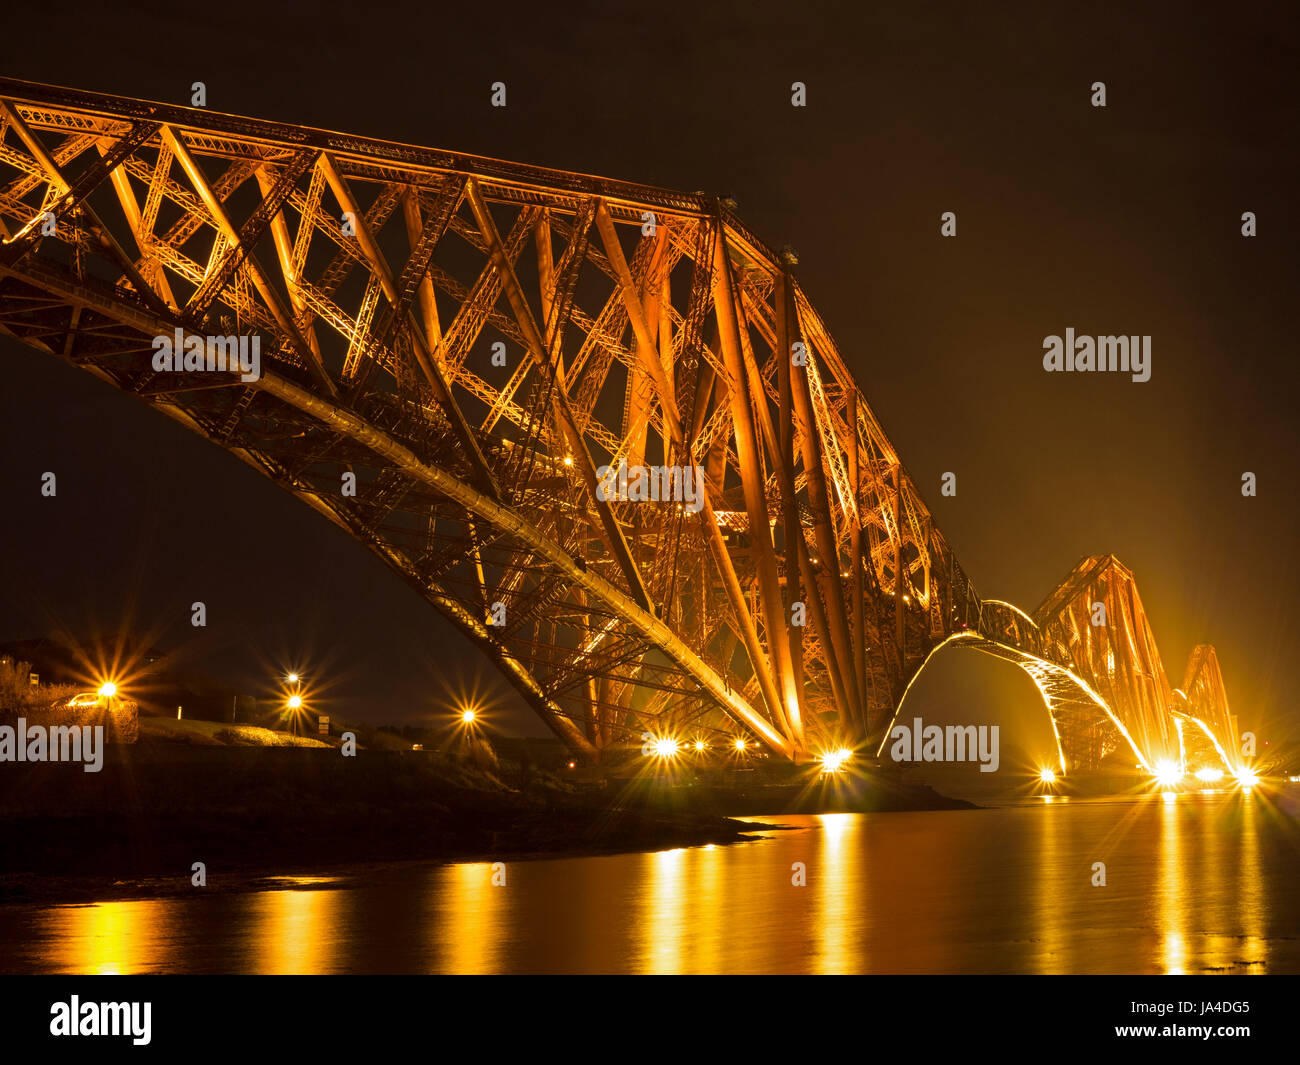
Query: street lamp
pixel 665 748
pixel 294 704
pixel 834 761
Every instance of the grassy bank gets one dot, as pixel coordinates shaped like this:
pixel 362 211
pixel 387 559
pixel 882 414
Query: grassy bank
pixel 218 734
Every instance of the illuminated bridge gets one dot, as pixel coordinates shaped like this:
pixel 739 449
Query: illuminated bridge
pixel 454 350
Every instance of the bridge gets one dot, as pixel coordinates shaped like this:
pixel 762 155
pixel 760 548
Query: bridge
pixel 455 353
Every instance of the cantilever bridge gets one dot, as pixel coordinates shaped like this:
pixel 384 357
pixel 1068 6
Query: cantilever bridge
pixel 636 325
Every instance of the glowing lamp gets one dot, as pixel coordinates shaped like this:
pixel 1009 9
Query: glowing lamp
pixel 833 761
pixel 665 747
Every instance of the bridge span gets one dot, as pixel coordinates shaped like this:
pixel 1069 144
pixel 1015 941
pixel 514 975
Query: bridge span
pixel 454 353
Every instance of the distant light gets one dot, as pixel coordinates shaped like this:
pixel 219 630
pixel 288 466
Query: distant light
pixel 666 747
pixel 699 745
pixel 468 716
pixel 1247 777
pixel 739 743
pixel 1168 773
pixel 108 690
pixel 293 678
pixel 295 701
pixel 571 764
pixel 1209 774
pixel 568 460
pixel 1046 775
pixel 833 761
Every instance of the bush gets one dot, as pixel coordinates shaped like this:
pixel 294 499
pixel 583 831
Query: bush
pixel 18 694
pixel 47 704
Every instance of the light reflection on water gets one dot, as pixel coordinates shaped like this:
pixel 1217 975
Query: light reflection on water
pixel 1194 883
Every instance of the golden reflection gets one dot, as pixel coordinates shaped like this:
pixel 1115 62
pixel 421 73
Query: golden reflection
pixel 294 932
pixel 997 890
pixel 1230 930
pixel 708 883
pixel 109 938
pixel 1053 893
pixel 661 950
pixel 840 895
pixel 1170 896
pixel 1251 887
pixel 471 911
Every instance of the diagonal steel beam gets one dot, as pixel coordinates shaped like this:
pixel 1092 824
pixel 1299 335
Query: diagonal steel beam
pixel 545 360
pixel 139 230
pixel 224 226
pixel 76 193
pixel 420 345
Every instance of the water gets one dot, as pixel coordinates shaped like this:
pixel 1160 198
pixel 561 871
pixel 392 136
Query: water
pixel 1201 882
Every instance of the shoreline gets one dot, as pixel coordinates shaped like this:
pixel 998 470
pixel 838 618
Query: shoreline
pixel 35 889
pixel 251 814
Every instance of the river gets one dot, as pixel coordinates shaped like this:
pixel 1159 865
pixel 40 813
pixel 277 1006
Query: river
pixel 1194 883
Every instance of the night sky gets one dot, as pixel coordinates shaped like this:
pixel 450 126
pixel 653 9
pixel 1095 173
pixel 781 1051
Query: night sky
pixel 1117 220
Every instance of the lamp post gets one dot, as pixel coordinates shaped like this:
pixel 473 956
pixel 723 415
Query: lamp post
pixel 293 700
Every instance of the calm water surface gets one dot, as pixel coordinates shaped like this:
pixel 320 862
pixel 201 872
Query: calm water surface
pixel 1201 882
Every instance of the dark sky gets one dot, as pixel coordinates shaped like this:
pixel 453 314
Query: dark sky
pixel 1117 220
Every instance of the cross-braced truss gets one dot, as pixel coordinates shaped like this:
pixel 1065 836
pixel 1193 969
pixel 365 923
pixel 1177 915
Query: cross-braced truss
pixel 453 351
pixel 1206 727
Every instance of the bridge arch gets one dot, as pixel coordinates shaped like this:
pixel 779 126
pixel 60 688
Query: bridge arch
pixel 1085 729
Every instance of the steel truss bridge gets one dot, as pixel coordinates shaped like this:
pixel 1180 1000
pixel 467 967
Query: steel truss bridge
pixel 639 326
